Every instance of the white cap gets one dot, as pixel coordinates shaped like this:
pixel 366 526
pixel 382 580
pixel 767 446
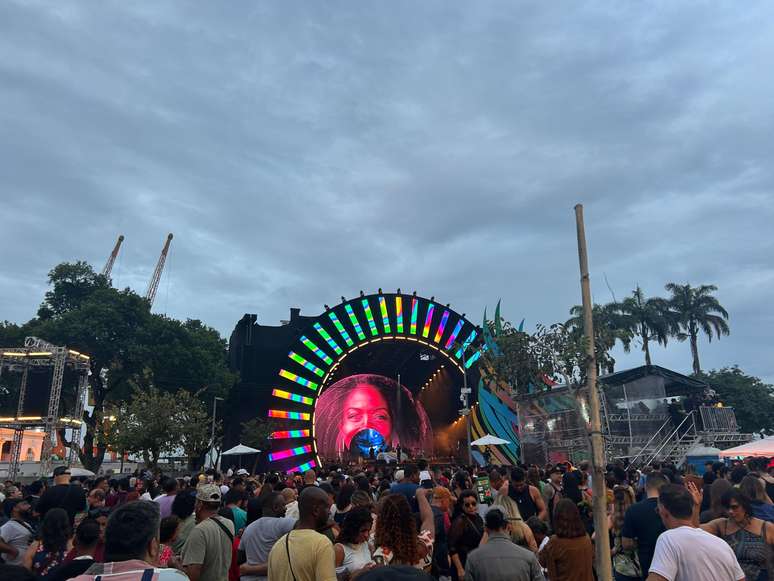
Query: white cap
pixel 398 475
pixel 242 472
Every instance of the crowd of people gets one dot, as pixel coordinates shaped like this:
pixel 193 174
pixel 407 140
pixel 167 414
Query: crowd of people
pixel 377 522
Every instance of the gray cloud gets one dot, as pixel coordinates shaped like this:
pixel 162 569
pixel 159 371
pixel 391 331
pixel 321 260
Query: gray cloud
pixel 300 153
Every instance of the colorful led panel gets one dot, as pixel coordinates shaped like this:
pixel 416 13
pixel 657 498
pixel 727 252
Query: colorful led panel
pixel 472 359
pixel 286 434
pixel 340 328
pixel 316 350
pixel 328 339
pixel 310 366
pixel 465 344
pixel 292 396
pixel 370 317
pixel 299 380
pixel 428 320
pixel 289 415
pixel 399 314
pixel 414 313
pixel 385 317
pixel 454 333
pixel 355 322
pixel 282 454
pixel 304 467
pixel 441 327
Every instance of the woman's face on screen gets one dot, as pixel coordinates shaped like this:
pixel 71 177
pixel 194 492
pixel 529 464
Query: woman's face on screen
pixel 365 407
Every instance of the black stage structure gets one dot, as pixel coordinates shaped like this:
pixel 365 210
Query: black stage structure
pixel 422 346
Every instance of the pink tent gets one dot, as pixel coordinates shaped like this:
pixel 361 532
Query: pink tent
pixel 758 448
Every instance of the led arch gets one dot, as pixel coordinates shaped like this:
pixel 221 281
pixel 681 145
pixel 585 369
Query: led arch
pixel 339 332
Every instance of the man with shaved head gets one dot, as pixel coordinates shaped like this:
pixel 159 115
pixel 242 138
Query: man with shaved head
pixel 304 554
pixel 261 535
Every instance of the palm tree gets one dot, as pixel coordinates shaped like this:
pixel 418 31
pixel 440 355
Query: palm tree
pixel 695 309
pixel 647 318
pixel 607 330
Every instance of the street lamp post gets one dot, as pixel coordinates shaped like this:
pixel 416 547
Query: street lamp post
pixel 212 435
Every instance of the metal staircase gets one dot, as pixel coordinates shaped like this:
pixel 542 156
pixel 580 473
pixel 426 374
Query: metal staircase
pixel 669 444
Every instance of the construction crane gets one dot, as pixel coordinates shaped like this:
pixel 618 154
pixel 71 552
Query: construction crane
pixel 153 286
pixel 108 268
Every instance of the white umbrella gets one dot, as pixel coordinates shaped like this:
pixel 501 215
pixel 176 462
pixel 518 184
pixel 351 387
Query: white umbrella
pixel 240 449
pixel 489 440
pixel 81 472
pixel 75 471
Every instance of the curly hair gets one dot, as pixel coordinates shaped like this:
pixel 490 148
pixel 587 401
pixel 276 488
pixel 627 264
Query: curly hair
pixel 353 522
pixel 55 530
pixel 410 424
pixel 396 529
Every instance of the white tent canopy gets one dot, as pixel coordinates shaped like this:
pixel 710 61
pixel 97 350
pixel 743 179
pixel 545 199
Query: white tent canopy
pixel 240 449
pixel 759 448
pixel 489 440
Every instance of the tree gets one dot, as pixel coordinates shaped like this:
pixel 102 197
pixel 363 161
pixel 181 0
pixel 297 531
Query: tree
pixel 73 284
pixel 751 398
pixel 154 423
pixel 695 309
pixel 130 348
pixel 533 362
pixel 646 318
pixel 608 328
pixel 256 433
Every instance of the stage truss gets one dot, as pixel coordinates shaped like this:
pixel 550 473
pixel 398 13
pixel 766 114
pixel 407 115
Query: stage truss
pixel 39 353
pixel 344 329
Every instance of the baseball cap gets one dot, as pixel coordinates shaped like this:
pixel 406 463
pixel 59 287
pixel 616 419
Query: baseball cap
pixel 208 493
pixel 242 472
pixel 398 475
pixel 59 470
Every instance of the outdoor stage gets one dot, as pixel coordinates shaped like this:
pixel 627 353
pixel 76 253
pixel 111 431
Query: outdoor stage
pixel 367 375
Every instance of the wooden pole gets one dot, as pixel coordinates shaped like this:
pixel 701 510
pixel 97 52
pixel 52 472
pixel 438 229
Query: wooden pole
pixel 602 538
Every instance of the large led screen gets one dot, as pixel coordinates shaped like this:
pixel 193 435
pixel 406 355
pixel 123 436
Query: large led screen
pixel 367 414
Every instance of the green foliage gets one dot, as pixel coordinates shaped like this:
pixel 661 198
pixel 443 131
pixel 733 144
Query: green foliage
pixel 73 283
pixel 751 398
pixel 256 432
pixel 130 348
pixel 695 309
pixel 608 329
pixel 11 334
pixel 154 423
pixel 528 362
pixel 646 318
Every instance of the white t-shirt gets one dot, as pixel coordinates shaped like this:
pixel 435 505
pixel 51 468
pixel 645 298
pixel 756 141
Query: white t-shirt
pixel 688 554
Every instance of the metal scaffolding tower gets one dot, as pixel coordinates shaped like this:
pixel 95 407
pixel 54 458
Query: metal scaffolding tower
pixel 39 353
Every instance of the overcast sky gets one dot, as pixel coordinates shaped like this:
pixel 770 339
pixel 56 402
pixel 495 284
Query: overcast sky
pixel 304 151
